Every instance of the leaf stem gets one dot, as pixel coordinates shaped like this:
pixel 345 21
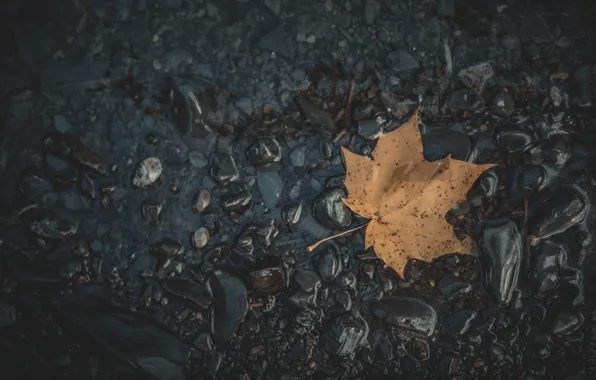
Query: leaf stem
pixel 312 247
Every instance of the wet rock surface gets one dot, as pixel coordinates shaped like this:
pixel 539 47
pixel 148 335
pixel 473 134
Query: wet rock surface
pixel 164 166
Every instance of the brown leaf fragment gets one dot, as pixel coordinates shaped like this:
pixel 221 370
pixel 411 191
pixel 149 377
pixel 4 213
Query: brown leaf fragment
pixel 406 197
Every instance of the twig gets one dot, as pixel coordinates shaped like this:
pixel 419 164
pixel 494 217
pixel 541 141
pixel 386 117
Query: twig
pixel 312 247
pixel 256 305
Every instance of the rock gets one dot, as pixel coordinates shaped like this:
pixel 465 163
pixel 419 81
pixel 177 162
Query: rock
pixel 464 100
pixel 501 248
pixel 167 248
pixel 87 186
pixel 237 203
pixel 298 156
pixel 316 115
pixel 152 212
pixel 291 213
pixel 201 201
pixel 502 105
pixel 408 313
pixel 346 280
pixel 147 172
pixel 198 160
pixel 263 152
pixel 445 8
pixel 439 143
pixel 200 237
pixel 276 41
pixel 204 343
pixel 62 124
pixel 330 211
pixel 271 186
pixel 8 315
pixel 566 322
pixel 565 207
pixel 370 129
pixel 475 77
pixel 513 140
pixel 53 229
pixel 229 305
pixel 451 286
pixel 268 276
pixel 344 299
pixel 308 280
pixel 55 163
pixel 189 290
pixel 401 60
pixel 328 263
pixel 458 323
pixel 70 148
pixel 546 260
pixel 302 299
pixel 223 169
pixel 132 337
pixel 345 335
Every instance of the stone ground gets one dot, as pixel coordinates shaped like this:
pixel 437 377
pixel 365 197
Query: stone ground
pixel 165 164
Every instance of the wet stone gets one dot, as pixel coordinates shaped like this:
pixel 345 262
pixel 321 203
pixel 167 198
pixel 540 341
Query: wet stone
pixel 223 169
pixel 345 335
pixel 168 248
pixel 328 263
pixel 292 212
pixel 439 143
pixel 346 280
pixel 475 77
pixel 545 265
pixel 464 100
pixel 203 343
pixel 201 201
pixel 562 209
pixel 271 186
pixel 55 163
pixel 308 280
pixel 513 140
pixel 152 212
pixel 229 305
pixel 330 211
pixel 263 152
pixel 87 186
pixel 189 290
pixel 237 203
pixel 502 250
pixel 268 276
pixel 401 60
pixel 451 286
pixel 566 322
pixel 459 322
pixel 8 315
pixel 198 160
pixel 200 238
pixel 316 115
pixel 408 313
pixel 62 124
pixel 147 172
pixel 344 299
pixel 502 105
pixel 68 147
pixel 298 156
pixel 370 129
pixel 53 229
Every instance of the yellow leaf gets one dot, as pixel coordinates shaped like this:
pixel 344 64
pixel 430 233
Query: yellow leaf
pixel 406 197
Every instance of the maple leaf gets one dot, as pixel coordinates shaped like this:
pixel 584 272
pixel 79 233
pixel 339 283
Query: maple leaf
pixel 406 197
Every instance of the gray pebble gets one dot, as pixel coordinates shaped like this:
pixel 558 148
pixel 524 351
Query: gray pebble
pixel 198 160
pixel 62 124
